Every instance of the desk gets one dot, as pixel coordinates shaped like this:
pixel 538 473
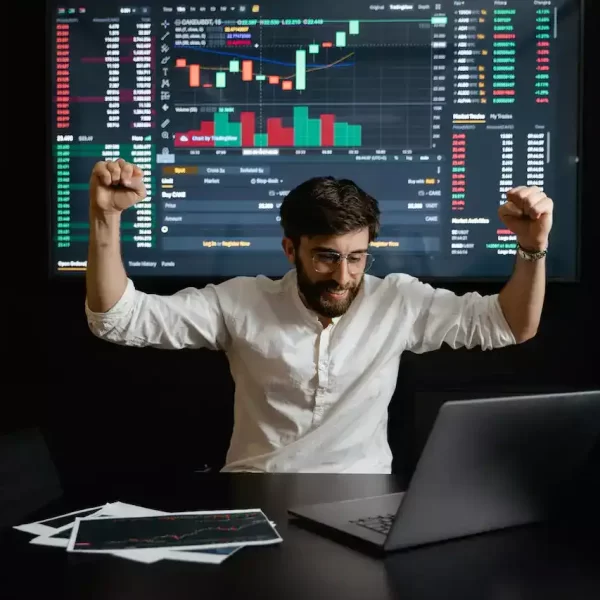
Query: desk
pixel 519 564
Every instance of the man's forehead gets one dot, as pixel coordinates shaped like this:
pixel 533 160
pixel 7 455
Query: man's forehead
pixel 356 241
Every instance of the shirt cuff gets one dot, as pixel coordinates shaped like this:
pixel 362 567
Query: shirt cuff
pixel 504 334
pixel 122 307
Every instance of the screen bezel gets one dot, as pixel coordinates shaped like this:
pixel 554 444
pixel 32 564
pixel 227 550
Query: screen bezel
pixel 176 281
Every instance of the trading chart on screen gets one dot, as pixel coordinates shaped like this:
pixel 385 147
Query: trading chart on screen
pixel 437 109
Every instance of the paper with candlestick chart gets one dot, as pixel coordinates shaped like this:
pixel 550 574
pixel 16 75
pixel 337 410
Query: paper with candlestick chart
pixel 60 535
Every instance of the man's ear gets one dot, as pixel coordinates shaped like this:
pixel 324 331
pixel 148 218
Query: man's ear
pixel 288 248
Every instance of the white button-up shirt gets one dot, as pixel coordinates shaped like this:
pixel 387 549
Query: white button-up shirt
pixel 307 398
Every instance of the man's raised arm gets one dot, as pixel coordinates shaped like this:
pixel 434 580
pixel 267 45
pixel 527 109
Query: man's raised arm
pixel 114 187
pixel 528 214
pixel 498 320
pixel 115 310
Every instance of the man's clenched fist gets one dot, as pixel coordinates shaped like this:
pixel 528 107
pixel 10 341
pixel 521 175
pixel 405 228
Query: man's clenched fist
pixel 528 214
pixel 115 186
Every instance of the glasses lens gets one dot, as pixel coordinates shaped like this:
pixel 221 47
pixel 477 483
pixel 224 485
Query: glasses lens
pixel 326 262
pixel 359 263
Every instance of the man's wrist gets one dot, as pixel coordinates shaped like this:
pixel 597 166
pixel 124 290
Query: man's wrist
pixel 531 247
pixel 104 217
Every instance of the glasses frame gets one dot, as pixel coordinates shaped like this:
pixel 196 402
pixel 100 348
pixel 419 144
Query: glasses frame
pixel 340 258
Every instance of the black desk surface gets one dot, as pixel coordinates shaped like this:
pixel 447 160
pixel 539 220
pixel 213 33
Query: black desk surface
pixel 542 562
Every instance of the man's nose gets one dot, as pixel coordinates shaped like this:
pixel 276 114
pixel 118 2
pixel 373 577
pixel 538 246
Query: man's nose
pixel 342 275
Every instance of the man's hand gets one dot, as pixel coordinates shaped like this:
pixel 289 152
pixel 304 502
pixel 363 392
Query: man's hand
pixel 115 186
pixel 528 214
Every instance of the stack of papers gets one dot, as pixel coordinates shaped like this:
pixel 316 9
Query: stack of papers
pixel 146 535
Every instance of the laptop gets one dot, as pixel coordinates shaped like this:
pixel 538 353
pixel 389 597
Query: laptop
pixel 488 464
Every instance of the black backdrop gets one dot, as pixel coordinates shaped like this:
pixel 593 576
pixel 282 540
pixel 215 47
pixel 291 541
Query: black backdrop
pixel 96 411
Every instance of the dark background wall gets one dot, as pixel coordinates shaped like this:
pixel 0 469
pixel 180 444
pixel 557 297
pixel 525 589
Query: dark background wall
pixel 96 411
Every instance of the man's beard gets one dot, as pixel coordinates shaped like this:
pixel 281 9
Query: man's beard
pixel 314 294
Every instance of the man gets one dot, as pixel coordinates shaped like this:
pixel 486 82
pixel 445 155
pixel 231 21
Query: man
pixel 315 355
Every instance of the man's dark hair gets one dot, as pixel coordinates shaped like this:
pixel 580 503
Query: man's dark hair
pixel 328 206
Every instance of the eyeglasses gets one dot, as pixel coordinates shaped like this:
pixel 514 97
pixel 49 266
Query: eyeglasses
pixel 328 262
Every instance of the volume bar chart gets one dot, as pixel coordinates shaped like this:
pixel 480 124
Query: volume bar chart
pixel 304 132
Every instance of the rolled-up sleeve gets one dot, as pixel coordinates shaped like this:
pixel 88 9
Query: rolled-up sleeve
pixel 470 320
pixel 191 318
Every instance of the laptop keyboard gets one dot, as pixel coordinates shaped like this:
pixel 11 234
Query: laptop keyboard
pixel 379 523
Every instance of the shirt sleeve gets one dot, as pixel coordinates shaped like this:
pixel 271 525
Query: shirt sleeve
pixel 470 320
pixel 190 318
